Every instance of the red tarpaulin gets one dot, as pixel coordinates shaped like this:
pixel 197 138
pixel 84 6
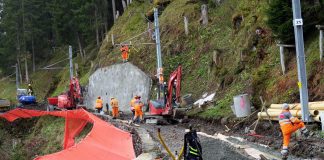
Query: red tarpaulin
pixel 104 141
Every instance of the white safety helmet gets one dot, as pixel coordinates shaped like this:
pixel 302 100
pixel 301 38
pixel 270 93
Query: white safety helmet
pixel 285 106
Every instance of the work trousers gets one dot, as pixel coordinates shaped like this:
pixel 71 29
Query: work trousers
pixel 99 110
pixel 288 129
pixel 115 112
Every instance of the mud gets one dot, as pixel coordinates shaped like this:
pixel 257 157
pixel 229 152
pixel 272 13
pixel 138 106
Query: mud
pixel 213 149
pixel 267 135
pixel 218 150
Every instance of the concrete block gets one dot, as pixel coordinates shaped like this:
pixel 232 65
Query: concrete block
pixel 121 81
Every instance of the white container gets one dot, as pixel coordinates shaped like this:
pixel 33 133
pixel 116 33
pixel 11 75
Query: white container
pixel 242 105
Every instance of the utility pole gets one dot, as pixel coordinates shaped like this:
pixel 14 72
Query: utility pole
pixel 158 51
pixel 26 69
pixel 71 63
pixel 17 76
pixel 113 3
pixel 302 77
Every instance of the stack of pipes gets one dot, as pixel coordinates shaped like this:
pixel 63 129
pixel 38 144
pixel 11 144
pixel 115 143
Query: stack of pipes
pixel 295 109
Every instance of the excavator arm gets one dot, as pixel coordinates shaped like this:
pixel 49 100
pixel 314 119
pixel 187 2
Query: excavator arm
pixel 173 83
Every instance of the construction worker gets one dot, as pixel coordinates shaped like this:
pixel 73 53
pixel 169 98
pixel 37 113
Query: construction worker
pixel 289 125
pixel 124 49
pixel 99 104
pixel 138 109
pixel 30 90
pixel 192 147
pixel 132 105
pixel 114 106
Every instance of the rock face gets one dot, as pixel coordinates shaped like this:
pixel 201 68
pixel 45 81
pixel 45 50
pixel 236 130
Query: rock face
pixel 121 81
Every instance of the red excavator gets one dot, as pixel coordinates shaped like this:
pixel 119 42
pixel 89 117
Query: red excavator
pixel 168 105
pixel 69 100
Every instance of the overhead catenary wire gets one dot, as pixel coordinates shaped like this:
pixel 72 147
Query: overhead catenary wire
pixel 134 37
pixel 4 78
pixel 48 67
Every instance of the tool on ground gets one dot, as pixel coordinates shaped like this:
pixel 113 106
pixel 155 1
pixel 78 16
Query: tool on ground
pixel 227 129
pixel 167 148
pixel 252 132
pixel 245 118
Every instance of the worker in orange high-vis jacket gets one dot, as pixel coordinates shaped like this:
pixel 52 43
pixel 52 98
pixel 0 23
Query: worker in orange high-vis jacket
pixel 99 104
pixel 138 109
pixel 289 125
pixel 132 105
pixel 125 51
pixel 114 106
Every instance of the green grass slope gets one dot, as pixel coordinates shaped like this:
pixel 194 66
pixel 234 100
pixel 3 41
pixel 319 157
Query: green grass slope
pixel 247 62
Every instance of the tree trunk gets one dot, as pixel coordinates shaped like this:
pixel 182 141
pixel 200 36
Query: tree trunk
pixel 321 44
pixel 124 5
pixel 19 68
pixel 128 2
pixel 33 52
pixel 18 56
pixel 114 9
pixel 117 14
pixel 80 46
pixel 96 25
pixel 106 27
pixel 26 70
pixel 282 60
pixel 102 35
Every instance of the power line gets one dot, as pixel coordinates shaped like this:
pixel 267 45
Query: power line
pixel 7 77
pixel 48 67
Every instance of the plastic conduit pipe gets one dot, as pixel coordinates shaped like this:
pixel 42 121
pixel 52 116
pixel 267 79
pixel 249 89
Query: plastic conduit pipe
pixel 167 149
pixel 164 145
pixel 181 153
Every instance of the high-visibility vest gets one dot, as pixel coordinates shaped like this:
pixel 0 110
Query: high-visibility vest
pixel 285 117
pixel 192 146
pixel 132 104
pixel 114 103
pixel 99 103
pixel 138 105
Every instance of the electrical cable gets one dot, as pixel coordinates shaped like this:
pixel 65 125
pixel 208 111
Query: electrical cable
pixel 2 79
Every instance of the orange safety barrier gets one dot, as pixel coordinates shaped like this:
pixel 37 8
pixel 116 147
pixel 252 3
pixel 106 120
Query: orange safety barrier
pixel 104 141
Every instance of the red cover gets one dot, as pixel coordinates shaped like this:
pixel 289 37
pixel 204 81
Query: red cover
pixel 104 141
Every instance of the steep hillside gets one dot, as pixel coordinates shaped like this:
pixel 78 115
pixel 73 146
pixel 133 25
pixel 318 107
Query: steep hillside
pixel 227 56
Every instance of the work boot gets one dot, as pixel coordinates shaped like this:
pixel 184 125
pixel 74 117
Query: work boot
pixel 284 153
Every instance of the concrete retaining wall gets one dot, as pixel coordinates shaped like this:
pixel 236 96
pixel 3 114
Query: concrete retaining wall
pixel 121 81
